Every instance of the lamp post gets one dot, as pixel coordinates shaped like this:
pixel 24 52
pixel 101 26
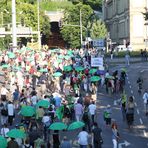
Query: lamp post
pixel 38 15
pixel 14 33
pixel 81 37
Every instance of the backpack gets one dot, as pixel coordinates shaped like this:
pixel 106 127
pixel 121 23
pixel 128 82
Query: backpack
pixel 4 112
pixel 27 146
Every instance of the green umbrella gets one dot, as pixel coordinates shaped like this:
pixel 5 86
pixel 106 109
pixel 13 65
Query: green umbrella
pixel 95 78
pixel 92 71
pixel 58 126
pixel 123 69
pixel 17 68
pixel 30 59
pixel 3 142
pixel 109 77
pixel 43 70
pixel 67 68
pixel 61 56
pixel 11 55
pixel 27 111
pixel 5 66
pixel 67 57
pixel 16 133
pixel 76 125
pixel 79 68
pixel 27 48
pixel 59 61
pixel 43 103
pixel 57 74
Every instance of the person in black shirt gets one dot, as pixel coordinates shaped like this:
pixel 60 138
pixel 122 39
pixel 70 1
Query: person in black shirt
pixel 97 138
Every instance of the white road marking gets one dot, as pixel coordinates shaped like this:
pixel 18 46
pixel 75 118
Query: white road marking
pixel 138 111
pixel 127 77
pixel 131 91
pixel 145 134
pixel 128 82
pixel 141 121
pixel 135 104
pixel 130 86
pixel 142 70
pixel 133 97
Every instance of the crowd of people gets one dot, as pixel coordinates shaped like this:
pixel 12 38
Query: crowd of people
pixel 66 80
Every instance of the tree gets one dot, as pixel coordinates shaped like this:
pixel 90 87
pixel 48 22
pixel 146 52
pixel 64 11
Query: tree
pixel 98 30
pixel 71 24
pixel 27 13
pixel 94 4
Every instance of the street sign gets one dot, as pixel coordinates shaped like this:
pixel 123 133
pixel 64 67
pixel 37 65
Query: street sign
pixel 98 43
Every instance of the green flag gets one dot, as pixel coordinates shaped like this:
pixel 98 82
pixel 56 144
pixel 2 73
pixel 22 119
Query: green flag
pixel 59 112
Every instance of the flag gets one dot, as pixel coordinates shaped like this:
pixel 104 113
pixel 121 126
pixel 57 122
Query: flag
pixel 59 112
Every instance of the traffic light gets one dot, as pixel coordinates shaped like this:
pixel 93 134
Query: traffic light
pixel 22 21
pixel 60 23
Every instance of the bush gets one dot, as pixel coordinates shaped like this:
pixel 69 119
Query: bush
pixel 122 54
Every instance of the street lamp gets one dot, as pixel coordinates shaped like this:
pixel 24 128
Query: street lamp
pixel 14 34
pixel 81 37
pixel 38 15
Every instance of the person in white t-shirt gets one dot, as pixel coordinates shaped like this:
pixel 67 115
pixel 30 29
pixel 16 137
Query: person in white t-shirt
pixel 4 131
pixel 92 110
pixel 4 93
pixel 10 107
pixel 145 101
pixel 83 137
pixel 34 100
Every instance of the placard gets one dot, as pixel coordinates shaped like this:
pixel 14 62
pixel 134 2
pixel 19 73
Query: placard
pixel 96 62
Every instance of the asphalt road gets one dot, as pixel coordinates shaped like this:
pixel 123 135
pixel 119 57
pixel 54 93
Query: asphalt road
pixel 138 136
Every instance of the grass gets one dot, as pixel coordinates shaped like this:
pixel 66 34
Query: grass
pixel 55 5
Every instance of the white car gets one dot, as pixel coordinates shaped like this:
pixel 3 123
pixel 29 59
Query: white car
pixel 123 48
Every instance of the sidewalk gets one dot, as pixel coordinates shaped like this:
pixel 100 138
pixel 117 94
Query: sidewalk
pixel 121 60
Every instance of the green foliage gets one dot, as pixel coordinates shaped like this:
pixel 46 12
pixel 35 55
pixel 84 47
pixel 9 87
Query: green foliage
pixel 54 5
pixel 71 34
pixel 98 30
pixel 94 4
pixel 26 13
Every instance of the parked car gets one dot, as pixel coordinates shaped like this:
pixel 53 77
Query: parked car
pixel 123 48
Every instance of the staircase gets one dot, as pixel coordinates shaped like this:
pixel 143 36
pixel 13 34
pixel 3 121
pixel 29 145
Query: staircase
pixel 56 40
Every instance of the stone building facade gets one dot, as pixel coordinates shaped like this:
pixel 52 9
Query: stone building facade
pixel 125 22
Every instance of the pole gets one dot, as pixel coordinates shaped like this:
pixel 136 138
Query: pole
pixel 14 33
pixel 38 14
pixel 81 37
pixel 2 18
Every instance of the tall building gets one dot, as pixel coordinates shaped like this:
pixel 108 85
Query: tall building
pixel 125 22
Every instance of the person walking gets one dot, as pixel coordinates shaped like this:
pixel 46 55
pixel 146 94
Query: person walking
pixel 4 130
pixel 11 112
pixel 83 138
pixel 78 111
pixel 12 144
pixel 107 115
pixel 130 111
pixel 56 139
pixel 115 135
pixel 97 136
pixel 66 143
pixel 92 110
pixel 145 101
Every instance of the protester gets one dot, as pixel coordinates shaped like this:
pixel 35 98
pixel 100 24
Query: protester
pixel 83 138
pixel 115 135
pixel 97 136
pixel 145 101
pixel 65 143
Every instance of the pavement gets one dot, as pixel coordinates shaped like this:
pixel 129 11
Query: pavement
pixel 121 60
